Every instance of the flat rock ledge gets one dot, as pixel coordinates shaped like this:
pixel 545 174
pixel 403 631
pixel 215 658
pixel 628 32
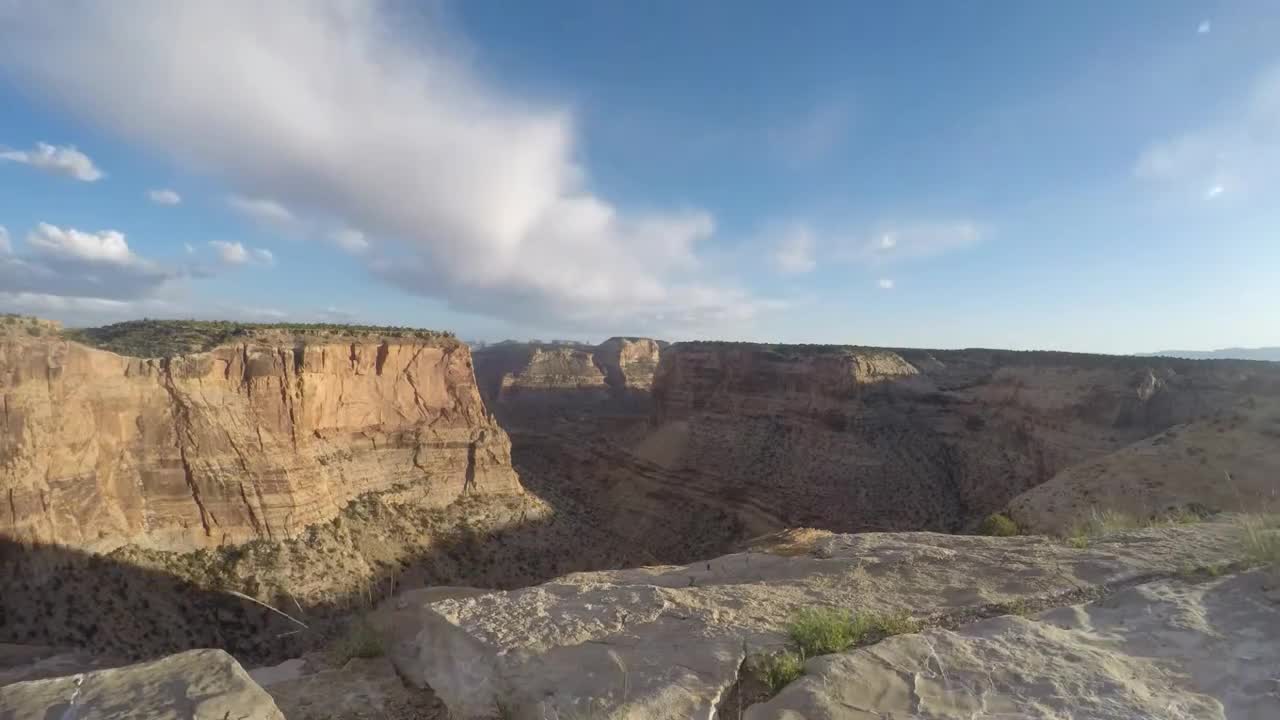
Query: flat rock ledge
pixel 668 643
pixel 193 685
pixel 1168 649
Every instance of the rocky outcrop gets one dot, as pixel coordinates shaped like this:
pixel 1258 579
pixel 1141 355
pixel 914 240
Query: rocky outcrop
pixel 629 363
pixel 1164 649
pixel 667 643
pixel 255 440
pixel 194 685
pixel 528 383
pixel 875 439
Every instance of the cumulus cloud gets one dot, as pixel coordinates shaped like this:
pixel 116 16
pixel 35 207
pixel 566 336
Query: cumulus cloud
pixel 57 159
pixel 107 246
pixel 164 197
pixel 885 283
pixel 234 253
pixel 793 253
pixel 323 112
pixel 1237 156
pixel 71 263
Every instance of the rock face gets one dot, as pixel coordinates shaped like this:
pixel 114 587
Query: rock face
pixel 1165 649
pixel 194 685
pixel 255 440
pixel 668 643
pixel 873 439
pixel 525 382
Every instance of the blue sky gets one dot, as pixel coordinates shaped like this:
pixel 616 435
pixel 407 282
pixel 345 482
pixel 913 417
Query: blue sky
pixel 1085 176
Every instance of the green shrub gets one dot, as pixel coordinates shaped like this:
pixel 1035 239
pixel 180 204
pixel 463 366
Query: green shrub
pixel 822 631
pixel 777 670
pixel 998 525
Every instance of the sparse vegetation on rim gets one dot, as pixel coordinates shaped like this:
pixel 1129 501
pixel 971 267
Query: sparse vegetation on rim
pixel 1260 538
pixel 163 338
pixel 822 631
pixel 1105 522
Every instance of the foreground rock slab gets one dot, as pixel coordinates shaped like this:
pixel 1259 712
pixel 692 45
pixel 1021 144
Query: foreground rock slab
pixel 668 642
pixel 194 685
pixel 1168 649
pixel 362 689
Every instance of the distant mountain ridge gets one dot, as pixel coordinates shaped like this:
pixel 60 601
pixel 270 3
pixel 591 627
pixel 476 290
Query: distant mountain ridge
pixel 1262 353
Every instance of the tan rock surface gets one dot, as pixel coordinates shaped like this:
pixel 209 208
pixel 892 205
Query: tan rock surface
pixel 1167 649
pixel 194 685
pixel 362 689
pixel 668 642
pixel 252 441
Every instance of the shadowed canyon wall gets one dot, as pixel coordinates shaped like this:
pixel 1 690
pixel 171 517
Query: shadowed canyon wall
pixel 875 439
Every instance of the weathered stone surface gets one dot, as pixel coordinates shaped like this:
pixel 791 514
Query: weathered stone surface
pixel 252 441
pixel 362 689
pixel 194 685
pixel 667 642
pixel 1167 649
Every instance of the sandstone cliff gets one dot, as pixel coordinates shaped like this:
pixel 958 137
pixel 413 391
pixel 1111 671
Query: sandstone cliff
pixel 252 440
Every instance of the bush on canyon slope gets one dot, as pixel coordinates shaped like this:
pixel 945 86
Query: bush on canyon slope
pixel 998 525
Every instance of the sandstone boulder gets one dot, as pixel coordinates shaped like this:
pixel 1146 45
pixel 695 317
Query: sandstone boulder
pixel 194 685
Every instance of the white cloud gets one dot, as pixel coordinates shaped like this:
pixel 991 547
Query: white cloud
pixel 234 253
pixel 353 241
pixel 1204 27
pixel 793 253
pixel 6 247
pixel 106 246
pixel 75 263
pixel 1239 153
pixel 885 283
pixel 323 108
pixel 190 248
pixel 262 210
pixel 56 159
pixel 164 197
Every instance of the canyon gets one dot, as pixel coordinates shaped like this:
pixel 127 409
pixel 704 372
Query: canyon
pixel 284 480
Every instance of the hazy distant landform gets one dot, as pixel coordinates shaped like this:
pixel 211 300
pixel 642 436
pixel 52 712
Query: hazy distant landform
pixel 1262 353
